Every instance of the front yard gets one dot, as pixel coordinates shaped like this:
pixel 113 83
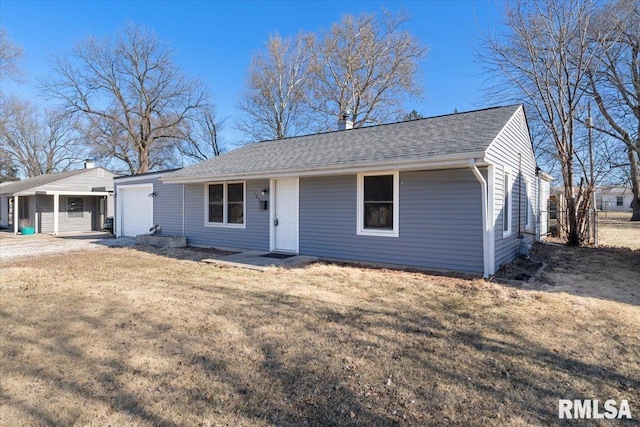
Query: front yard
pixel 121 336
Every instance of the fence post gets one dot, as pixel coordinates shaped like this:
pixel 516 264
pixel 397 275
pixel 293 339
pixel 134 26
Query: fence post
pixel 595 228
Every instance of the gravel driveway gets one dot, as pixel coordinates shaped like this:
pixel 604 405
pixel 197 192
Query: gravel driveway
pixel 14 246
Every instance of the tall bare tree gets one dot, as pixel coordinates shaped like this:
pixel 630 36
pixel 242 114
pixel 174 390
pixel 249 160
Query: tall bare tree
pixel 39 143
pixel 365 65
pixel 614 81
pixel 132 98
pixel 544 59
pixel 201 140
pixel 275 101
pixel 10 53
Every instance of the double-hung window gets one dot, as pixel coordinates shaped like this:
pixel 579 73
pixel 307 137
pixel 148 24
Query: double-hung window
pixel 378 204
pixel 225 204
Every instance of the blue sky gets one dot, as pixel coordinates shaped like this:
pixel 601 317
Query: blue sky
pixel 214 40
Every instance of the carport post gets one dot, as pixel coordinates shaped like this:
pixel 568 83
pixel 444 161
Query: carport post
pixel 56 206
pixel 16 215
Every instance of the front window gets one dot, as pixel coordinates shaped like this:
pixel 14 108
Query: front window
pixel 225 204
pixel 378 204
pixel 619 201
pixel 75 207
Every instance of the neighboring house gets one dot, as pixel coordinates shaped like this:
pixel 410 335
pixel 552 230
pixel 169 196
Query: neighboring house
pixel 614 199
pixel 78 200
pixel 449 193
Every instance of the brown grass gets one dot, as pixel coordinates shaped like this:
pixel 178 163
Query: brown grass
pixel 123 337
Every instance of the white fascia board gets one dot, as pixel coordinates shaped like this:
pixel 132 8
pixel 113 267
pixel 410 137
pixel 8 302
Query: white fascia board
pixel 546 176
pixel 76 193
pixel 458 161
pixel 126 179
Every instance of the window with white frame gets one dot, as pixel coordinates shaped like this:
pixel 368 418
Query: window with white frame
pixel 507 201
pixel 378 204
pixel 225 204
pixel 75 207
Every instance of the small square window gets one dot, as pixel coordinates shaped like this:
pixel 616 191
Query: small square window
pixel 75 207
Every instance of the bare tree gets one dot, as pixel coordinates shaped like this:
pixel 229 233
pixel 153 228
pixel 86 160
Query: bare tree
pixel 8 168
pixel 201 139
pixel 132 98
pixel 544 58
pixel 10 53
pixel 39 143
pixel 367 66
pixel 614 81
pixel 276 98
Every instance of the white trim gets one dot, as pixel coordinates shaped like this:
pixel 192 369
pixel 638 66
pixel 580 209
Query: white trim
pixel 272 213
pixel 56 213
pixel 528 208
pixel 16 214
pixel 63 193
pixel 507 189
pixel 491 217
pixel 134 178
pixel 486 226
pixel 225 205
pixel 459 161
pixel 360 230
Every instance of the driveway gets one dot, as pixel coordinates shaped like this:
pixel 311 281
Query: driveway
pixel 13 246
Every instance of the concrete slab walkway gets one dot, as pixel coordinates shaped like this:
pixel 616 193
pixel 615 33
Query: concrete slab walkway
pixel 254 260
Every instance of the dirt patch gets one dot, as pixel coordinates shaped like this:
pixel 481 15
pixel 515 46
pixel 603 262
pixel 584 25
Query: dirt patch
pixel 607 273
pixel 126 337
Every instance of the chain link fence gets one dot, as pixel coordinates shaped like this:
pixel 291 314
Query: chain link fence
pixel 603 228
pixel 616 229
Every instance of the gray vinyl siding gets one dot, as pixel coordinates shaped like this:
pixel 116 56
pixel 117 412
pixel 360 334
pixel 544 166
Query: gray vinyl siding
pixel 167 204
pixel 254 236
pixel 4 211
pixel 85 181
pixel 44 206
pixel 512 148
pixel 45 213
pixel 167 208
pixel 440 222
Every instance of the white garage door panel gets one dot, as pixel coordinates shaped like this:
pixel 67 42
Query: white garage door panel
pixel 136 210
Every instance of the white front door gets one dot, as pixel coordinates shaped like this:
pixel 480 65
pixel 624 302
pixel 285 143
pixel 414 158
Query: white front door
pixel 285 215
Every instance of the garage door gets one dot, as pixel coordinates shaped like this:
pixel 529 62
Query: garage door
pixel 136 210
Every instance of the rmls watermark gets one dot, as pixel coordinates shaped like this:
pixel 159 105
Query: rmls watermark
pixel 591 409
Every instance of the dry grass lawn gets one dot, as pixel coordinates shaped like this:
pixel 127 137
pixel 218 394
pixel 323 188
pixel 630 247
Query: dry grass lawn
pixel 125 337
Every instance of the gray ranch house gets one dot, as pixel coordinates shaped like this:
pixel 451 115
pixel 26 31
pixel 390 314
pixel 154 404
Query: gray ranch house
pixel 458 192
pixel 73 201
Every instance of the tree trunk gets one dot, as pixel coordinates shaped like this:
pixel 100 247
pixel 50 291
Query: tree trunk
pixel 635 184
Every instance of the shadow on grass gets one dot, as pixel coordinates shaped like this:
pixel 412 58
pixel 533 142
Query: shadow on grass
pixel 264 356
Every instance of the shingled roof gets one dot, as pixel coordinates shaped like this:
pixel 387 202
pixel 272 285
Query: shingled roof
pixel 36 181
pixel 415 140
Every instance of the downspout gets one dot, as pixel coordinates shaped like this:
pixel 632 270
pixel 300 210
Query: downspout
pixel 182 210
pixel 485 217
